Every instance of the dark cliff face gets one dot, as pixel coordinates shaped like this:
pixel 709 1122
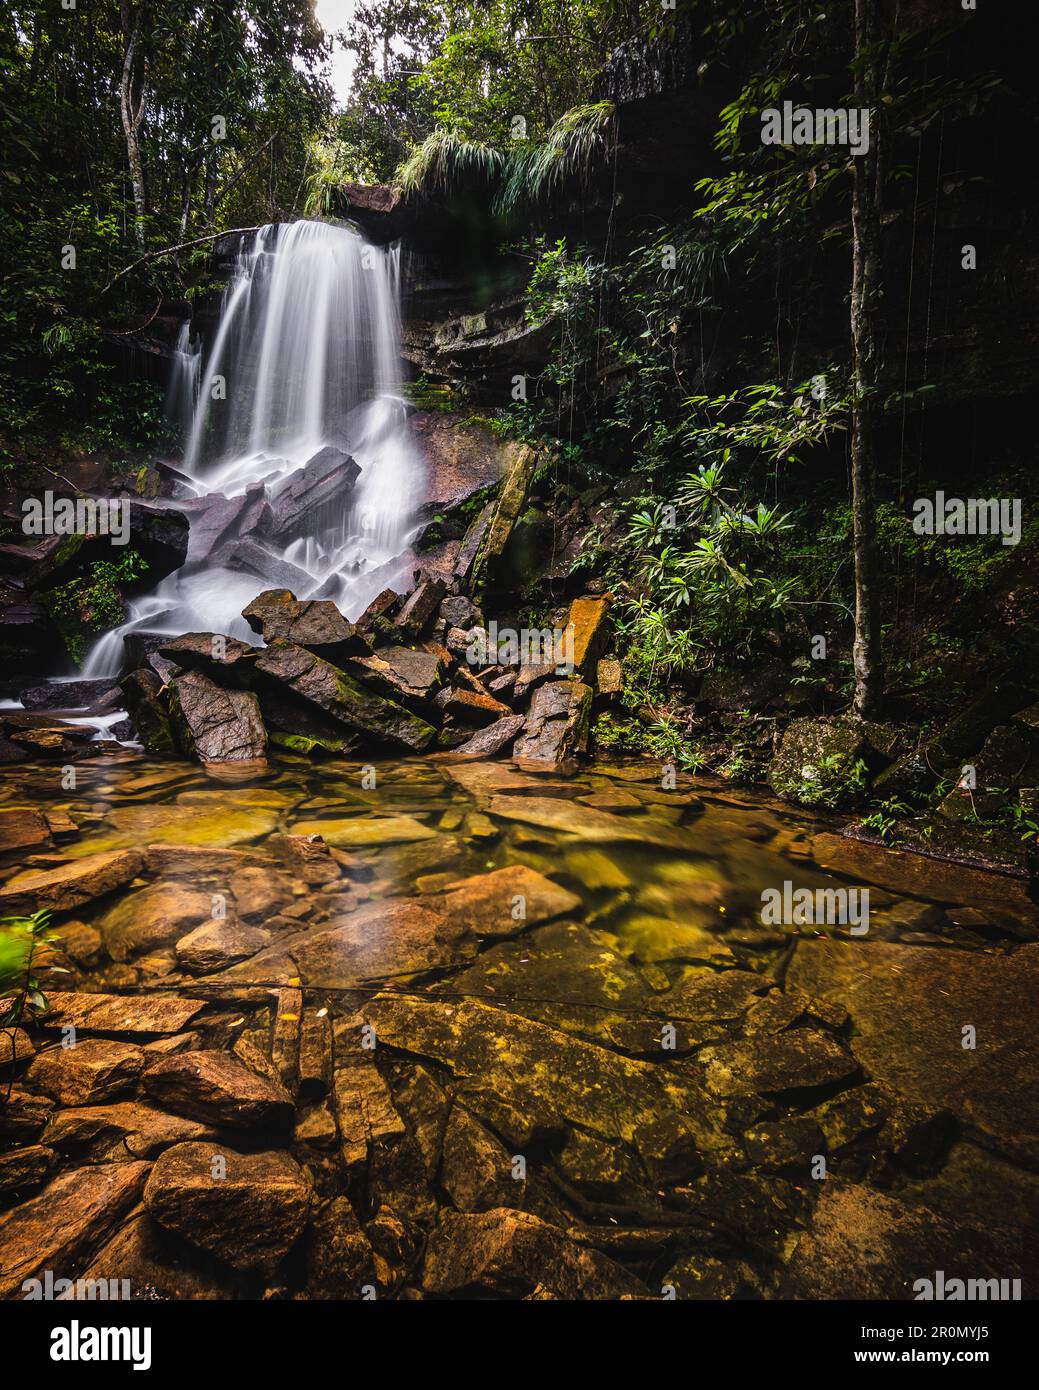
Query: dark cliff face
pixel 969 335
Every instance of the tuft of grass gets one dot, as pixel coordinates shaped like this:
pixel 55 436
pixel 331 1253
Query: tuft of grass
pixel 446 163
pixel 579 143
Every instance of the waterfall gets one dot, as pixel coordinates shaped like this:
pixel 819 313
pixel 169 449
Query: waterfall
pixel 297 382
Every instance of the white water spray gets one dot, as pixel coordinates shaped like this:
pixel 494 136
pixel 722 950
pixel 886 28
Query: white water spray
pixel 306 354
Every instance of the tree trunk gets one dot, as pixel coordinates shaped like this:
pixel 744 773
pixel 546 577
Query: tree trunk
pixel 865 294
pixel 131 112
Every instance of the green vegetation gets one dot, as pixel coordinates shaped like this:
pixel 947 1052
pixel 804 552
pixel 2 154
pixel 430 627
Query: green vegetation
pixel 93 602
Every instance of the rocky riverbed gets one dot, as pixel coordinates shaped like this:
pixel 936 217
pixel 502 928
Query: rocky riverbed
pixel 448 1028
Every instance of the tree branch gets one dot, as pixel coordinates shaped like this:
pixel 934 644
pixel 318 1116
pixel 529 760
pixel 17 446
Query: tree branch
pixel 182 246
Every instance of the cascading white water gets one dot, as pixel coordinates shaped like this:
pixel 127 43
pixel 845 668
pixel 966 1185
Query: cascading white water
pixel 306 354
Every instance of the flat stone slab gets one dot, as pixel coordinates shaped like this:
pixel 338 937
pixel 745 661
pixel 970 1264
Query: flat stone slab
pixel 910 1005
pixel 71 885
pixel 117 1013
pixel 63 1225
pixel 568 818
pixel 866 1244
pixel 365 830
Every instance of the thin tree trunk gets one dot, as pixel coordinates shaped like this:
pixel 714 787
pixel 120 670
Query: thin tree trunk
pixel 132 113
pixel 865 293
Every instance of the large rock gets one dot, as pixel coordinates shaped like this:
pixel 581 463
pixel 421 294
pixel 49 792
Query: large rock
pixel 992 1087
pixel 217 945
pixel 24 830
pixel 379 941
pixel 212 653
pixel 218 1089
pixel 588 618
pixel 249 1215
pixel 409 675
pixel 119 1131
pixel 69 695
pixel 156 916
pixel 156 1268
pixel 313 498
pixel 93 1071
pixel 521 462
pixel 492 739
pixel 326 688
pixel 60 1228
pixel 216 725
pixel 118 1013
pixel 316 624
pixel 503 902
pixel 557 726
pixel 794 1061
pixel 71 885
pixel 817 757
pixel 420 607
pixel 510 1254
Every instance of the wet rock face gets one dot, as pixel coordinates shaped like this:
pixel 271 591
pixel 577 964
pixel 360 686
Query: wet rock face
pixel 332 692
pixel 301 504
pixel 216 725
pixel 316 624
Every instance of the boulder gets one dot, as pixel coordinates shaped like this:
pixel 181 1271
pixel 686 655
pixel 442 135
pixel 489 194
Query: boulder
pixel 95 1070
pixel 335 694
pixel 142 696
pixel 222 658
pixel 218 1089
pixel 476 1169
pixel 215 725
pixel 817 758
pixel 249 1215
pixel 339 1254
pixel 128 1128
pixel 313 498
pixel 118 1013
pixel 493 738
pixel 24 830
pixel 316 624
pixel 217 945
pixel 21 1168
pixel 503 902
pixel 155 916
pixel 69 695
pixel 512 1254
pixel 557 725
pixel 798 1060
pixel 475 707
pixel 406 674
pixel 365 1112
pixel 609 678
pixel 521 461
pixel 420 607
pixel 61 1227
pixel 70 886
